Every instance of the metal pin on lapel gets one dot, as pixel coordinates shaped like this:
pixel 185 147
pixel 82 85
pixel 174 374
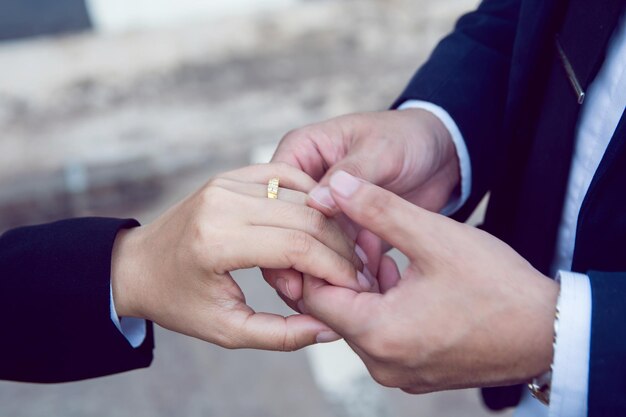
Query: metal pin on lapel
pixel 578 90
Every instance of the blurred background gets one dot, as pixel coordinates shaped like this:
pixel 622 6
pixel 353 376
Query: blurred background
pixel 118 108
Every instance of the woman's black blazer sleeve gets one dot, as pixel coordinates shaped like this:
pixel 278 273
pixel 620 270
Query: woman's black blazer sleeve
pixel 55 303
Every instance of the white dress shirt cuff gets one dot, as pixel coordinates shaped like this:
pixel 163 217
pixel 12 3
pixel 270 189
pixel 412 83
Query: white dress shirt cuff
pixel 460 196
pixel 570 371
pixel 133 329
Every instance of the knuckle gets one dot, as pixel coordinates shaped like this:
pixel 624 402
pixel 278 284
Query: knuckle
pixel 282 167
pixel 209 248
pixel 354 168
pixel 218 254
pixel 212 197
pixel 375 209
pixel 197 241
pixel 298 134
pixel 342 266
pixel 300 243
pixel 197 244
pixel 218 182
pixel 289 343
pixel 290 136
pixel 282 339
pixel 353 260
pixel 286 211
pixel 318 223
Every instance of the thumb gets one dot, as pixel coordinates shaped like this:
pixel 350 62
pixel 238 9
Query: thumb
pixel 343 310
pixel 358 164
pixel 399 222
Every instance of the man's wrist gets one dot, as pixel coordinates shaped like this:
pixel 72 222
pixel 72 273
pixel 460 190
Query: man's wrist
pixel 535 322
pixel 541 386
pixel 445 152
pixel 453 150
pixel 545 352
pixel 569 385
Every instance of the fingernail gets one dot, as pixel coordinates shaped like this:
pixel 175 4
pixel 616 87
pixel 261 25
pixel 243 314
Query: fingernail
pixel 361 254
pixel 323 197
pixel 301 307
pixel 283 287
pixel 344 184
pixel 327 337
pixel 369 277
pixel 363 281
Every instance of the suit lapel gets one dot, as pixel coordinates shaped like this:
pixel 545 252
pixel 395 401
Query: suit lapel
pixel 601 219
pixel 541 164
pixel 536 25
pixel 588 32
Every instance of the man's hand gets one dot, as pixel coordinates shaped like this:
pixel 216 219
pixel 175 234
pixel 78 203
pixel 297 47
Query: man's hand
pixel 468 311
pixel 408 152
pixel 176 271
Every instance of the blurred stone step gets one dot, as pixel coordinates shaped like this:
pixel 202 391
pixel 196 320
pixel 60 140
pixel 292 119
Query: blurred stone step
pixel 118 187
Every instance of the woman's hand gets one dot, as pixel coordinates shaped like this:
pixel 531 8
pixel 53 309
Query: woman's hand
pixel 176 271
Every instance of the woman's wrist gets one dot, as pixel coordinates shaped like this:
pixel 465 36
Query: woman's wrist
pixel 125 272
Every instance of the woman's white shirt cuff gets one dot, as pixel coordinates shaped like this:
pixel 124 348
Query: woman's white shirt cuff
pixel 133 329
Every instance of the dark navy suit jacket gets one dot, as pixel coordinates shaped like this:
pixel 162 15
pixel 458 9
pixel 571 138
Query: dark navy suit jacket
pixel 55 304
pixel 489 74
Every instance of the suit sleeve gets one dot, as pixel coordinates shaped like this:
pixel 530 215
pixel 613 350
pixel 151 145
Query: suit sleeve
pixel 607 366
pixel 467 75
pixel 55 304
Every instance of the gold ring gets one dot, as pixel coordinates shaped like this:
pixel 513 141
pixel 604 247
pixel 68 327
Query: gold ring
pixel 272 188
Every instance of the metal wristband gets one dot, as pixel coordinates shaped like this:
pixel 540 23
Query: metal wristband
pixel 540 387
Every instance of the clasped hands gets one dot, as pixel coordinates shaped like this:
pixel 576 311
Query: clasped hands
pixel 468 311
